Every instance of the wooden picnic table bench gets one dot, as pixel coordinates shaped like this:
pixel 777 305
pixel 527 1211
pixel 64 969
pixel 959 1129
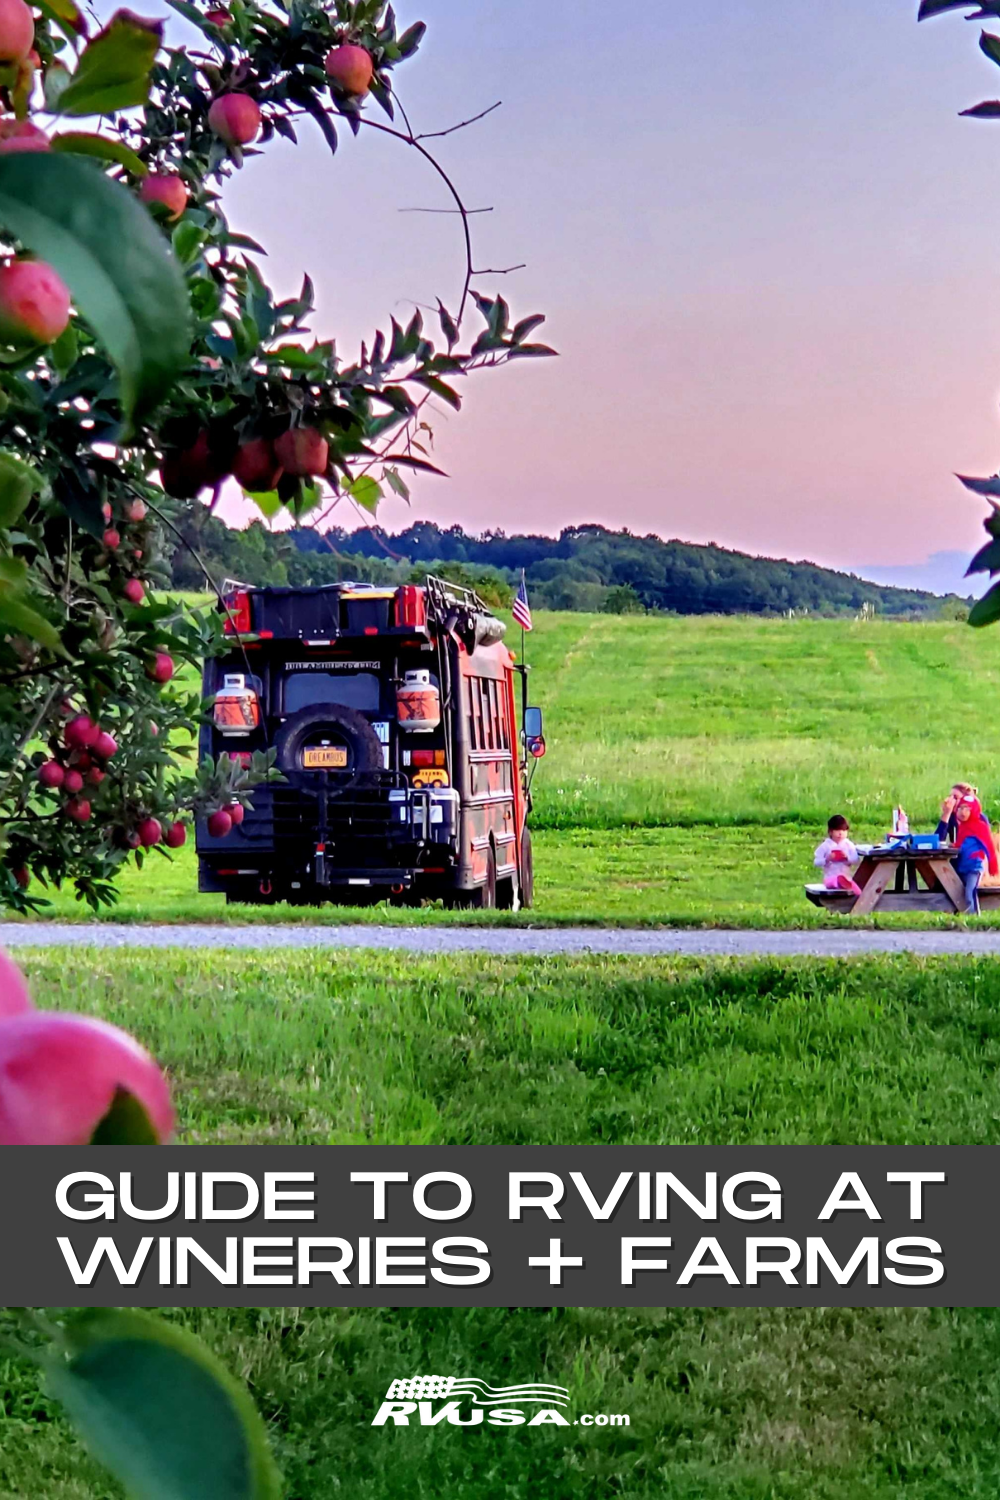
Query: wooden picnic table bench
pixel 904 880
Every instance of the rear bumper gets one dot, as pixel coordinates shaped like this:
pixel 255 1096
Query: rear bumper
pixel 375 836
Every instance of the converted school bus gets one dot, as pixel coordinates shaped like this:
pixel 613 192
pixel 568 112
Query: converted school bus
pixel 401 740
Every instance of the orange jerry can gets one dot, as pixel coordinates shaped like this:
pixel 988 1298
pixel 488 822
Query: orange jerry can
pixel 418 703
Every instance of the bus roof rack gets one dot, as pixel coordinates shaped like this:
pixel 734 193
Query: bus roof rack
pixel 443 596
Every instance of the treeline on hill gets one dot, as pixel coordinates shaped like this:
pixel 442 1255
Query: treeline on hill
pixel 584 568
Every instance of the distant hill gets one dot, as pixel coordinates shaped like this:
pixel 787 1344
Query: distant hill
pixel 584 568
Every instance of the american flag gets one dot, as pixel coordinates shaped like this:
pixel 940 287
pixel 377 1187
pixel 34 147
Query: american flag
pixel 520 609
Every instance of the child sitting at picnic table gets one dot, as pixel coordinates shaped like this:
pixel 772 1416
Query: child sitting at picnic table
pixel 835 855
pixel 962 818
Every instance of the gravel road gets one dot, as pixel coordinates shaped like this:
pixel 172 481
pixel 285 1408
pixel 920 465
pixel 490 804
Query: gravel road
pixel 506 942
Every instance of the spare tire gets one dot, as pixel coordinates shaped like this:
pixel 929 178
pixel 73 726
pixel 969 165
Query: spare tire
pixel 328 724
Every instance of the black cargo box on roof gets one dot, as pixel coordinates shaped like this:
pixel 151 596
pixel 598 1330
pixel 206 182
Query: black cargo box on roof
pixel 320 613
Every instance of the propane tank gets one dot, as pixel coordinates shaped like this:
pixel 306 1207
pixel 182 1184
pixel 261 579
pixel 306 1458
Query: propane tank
pixel 418 703
pixel 237 707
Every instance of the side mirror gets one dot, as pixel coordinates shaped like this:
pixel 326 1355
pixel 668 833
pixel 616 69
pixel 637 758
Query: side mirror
pixel 536 747
pixel 532 724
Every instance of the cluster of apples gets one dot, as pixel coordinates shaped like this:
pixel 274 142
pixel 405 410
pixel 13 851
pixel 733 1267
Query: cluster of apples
pixel 80 763
pixel 133 589
pixel 235 117
pixel 258 463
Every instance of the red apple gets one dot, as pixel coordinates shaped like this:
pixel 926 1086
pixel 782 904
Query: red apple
pixel 302 451
pixel 95 776
pixel 111 538
pixel 17 30
pixel 176 836
pixel 167 189
pixel 161 668
pixel 350 67
pixel 23 877
pixel 220 823
pixel 236 811
pixel 51 773
pixel 81 732
pixel 150 832
pixel 21 135
pixel 106 511
pixel 186 471
pixel 73 782
pixel 235 119
pixel 256 467
pixel 136 511
pixel 134 591
pixel 105 745
pixel 78 808
pixel 34 302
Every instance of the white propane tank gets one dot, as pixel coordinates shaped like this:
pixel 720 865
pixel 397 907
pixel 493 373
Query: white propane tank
pixel 418 703
pixel 237 707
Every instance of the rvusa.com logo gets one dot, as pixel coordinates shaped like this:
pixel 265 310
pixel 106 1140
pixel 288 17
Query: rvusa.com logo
pixel 431 1399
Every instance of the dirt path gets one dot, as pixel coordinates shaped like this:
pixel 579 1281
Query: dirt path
pixel 504 942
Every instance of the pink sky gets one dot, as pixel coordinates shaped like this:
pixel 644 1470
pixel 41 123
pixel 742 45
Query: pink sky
pixel 767 247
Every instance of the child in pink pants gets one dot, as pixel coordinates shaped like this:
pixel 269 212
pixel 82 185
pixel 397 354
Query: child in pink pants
pixel 835 855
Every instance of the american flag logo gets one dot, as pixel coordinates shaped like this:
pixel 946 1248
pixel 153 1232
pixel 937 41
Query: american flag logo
pixel 452 1387
pixel 521 610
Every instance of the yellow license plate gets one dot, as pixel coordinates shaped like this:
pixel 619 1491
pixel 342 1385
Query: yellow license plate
pixel 325 757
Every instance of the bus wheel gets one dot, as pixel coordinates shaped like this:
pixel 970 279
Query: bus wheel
pixel 527 870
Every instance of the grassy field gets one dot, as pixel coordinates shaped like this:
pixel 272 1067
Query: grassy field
pixel 693 763
pixel 741 1405
pixel 724 1405
pixel 384 1048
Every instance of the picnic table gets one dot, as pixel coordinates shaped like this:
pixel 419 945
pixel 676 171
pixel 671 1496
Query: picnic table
pixel 894 879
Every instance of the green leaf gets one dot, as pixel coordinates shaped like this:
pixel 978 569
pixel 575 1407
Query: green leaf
pixel 18 482
pixel 268 502
pixel 532 351
pixel 57 80
pixel 986 610
pixel 930 8
pixel 65 15
pixel 64 353
pixel 989 486
pixel 988 110
pixel 448 325
pixel 85 143
pixel 411 38
pixel 17 613
pixel 396 482
pixel 160 1411
pixel 113 71
pixel 440 389
pixel 114 259
pixel 526 326
pixel 986 560
pixel 125 1124
pixel 990 45
pixel 366 491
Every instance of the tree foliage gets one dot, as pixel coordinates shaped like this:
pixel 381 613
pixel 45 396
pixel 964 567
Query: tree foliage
pixel 170 367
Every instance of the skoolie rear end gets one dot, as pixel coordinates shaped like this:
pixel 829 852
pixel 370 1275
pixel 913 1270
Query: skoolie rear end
pixel 400 737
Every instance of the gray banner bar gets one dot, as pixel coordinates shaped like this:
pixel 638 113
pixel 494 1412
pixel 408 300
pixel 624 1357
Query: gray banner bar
pixel 704 1226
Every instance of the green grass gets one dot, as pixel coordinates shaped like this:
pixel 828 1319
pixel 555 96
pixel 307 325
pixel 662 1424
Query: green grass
pixel 711 720
pixel 725 1405
pixel 315 1047
pixel 740 1405
pixel 693 763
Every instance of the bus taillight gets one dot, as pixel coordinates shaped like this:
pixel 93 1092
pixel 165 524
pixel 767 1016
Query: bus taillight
pixel 237 621
pixel 411 611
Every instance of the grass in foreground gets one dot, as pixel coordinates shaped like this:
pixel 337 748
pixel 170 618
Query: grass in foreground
pixel 725 1405
pixel 371 1047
